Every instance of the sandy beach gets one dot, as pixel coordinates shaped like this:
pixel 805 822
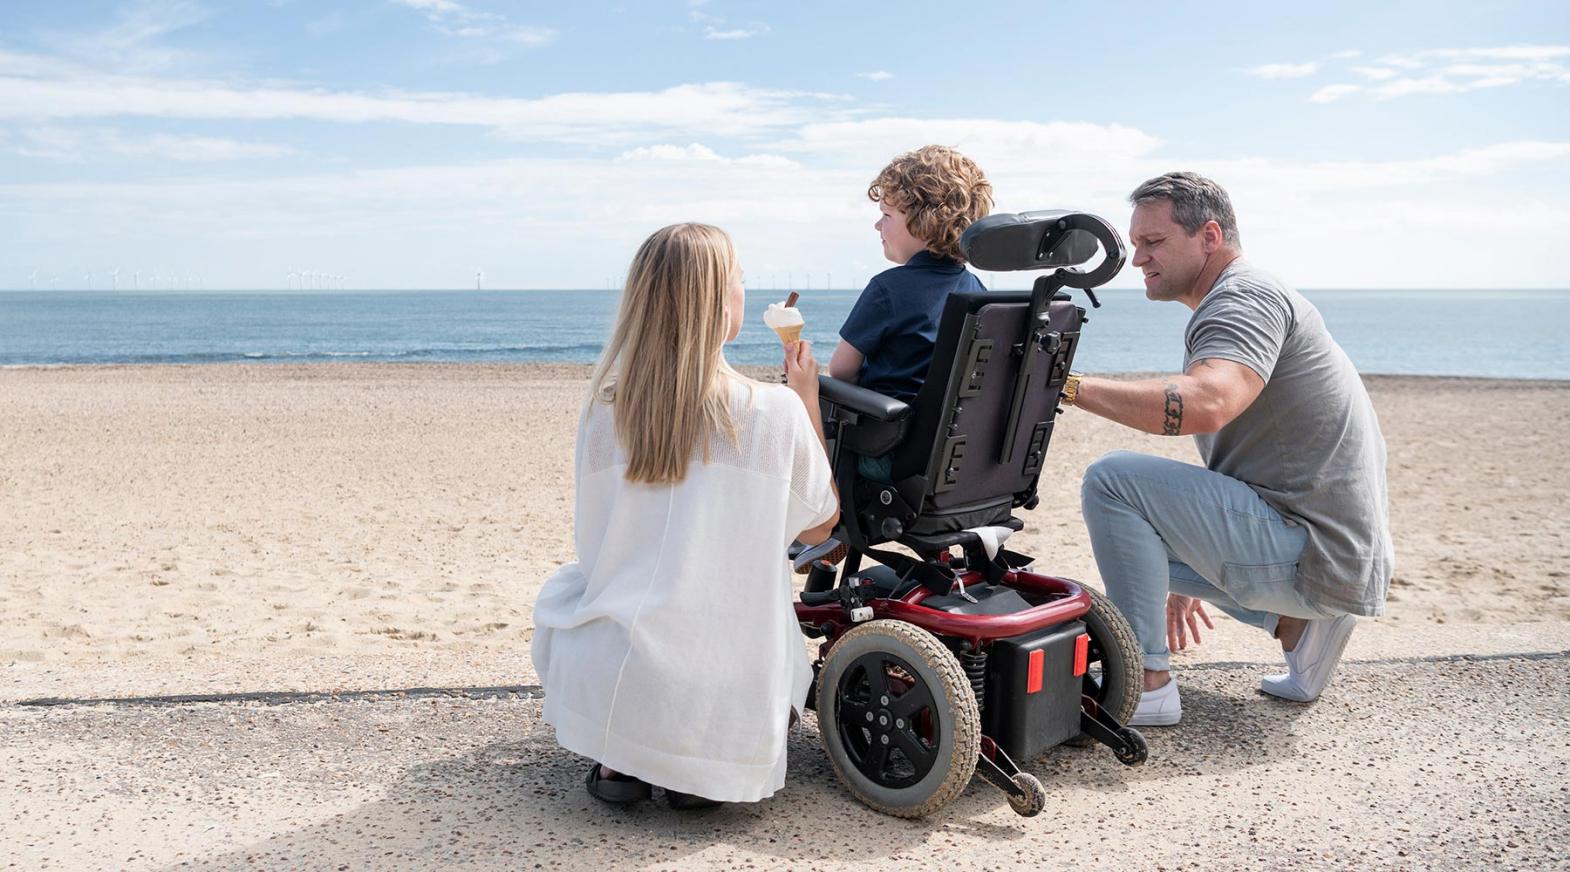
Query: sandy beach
pixel 268 511
pixel 274 536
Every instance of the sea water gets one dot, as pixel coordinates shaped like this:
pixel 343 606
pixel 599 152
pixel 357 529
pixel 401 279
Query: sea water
pixel 1494 333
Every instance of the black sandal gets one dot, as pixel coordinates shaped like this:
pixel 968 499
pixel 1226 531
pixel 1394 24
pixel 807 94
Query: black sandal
pixel 689 801
pixel 617 789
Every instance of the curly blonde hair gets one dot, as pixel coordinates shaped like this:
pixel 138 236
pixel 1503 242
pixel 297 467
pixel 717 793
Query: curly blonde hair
pixel 941 193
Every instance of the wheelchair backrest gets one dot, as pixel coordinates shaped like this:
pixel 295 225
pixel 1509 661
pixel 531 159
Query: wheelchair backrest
pixel 975 441
pixel 982 422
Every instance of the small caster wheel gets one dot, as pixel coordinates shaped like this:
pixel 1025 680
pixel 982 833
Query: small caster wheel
pixel 1034 798
pixel 1137 751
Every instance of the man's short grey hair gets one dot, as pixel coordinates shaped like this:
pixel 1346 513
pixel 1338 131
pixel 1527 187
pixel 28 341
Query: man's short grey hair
pixel 1195 200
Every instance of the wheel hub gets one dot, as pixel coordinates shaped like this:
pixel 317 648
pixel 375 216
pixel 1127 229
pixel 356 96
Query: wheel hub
pixel 878 700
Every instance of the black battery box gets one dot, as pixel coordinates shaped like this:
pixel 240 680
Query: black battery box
pixel 1032 700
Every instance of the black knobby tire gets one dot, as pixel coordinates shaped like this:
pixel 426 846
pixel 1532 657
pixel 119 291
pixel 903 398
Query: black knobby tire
pixel 1116 685
pixel 932 747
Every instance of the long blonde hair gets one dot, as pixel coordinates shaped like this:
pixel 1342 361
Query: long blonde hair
pixel 663 371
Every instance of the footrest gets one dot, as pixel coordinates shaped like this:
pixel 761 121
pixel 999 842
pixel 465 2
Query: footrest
pixel 830 551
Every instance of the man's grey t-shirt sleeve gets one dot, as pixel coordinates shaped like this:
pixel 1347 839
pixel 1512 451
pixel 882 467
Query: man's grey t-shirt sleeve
pixel 1247 327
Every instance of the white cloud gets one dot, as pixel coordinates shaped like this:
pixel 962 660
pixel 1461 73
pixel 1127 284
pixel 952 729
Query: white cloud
pixel 197 148
pixel 530 36
pixel 1367 176
pixel 434 7
pixel 46 143
pixel 567 222
pixel 76 145
pixel 1376 74
pixel 130 44
pixel 724 108
pixel 1425 85
pixel 712 32
pixel 1284 71
pixel 876 75
pixel 455 19
pixel 1332 93
pixel 1506 53
pixel 696 13
pixel 878 139
pixel 1453 71
pixel 699 152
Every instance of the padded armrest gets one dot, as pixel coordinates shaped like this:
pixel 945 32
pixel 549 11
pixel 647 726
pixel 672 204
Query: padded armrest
pixel 860 400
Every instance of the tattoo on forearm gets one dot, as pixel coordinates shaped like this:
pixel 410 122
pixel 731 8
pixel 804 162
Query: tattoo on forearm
pixel 1172 423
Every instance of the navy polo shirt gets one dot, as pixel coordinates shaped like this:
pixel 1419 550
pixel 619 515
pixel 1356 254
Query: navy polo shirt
pixel 895 322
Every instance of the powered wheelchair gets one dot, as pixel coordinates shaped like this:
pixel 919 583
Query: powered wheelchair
pixel 936 665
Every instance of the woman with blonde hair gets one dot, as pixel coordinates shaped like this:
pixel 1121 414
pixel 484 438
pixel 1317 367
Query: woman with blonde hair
pixel 669 652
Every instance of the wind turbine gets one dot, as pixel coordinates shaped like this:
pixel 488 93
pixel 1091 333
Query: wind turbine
pixel 114 278
pixel 828 284
pixel 33 279
pixel 479 279
pixel 88 275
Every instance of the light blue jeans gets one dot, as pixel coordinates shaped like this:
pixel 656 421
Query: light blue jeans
pixel 1160 526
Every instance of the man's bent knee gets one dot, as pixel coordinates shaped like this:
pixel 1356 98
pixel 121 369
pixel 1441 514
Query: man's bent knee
pixel 1100 475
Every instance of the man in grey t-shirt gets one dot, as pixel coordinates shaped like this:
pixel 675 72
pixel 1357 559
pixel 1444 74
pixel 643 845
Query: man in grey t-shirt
pixel 1286 527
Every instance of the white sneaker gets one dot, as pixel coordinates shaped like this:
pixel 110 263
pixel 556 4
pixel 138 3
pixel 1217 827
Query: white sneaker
pixel 1313 661
pixel 1161 707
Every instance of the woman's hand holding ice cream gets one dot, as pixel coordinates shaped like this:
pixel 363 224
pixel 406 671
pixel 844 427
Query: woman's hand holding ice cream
pixel 801 372
pixel 801 369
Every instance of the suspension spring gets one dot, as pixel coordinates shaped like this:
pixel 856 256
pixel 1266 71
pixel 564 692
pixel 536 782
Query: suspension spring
pixel 974 663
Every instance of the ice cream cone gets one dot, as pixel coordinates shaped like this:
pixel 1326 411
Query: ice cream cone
pixel 785 321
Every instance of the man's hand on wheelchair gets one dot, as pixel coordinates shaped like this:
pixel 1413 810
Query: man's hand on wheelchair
pixel 1181 612
pixel 801 372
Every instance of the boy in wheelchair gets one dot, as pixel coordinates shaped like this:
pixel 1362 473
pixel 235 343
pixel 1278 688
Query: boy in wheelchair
pixel 926 199
pixel 935 667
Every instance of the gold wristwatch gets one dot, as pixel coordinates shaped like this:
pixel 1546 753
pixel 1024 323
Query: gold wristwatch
pixel 1071 388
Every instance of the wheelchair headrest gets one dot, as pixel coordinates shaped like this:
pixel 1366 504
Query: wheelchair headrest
pixel 1044 240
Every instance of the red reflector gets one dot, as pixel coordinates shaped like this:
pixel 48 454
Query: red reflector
pixel 1033 678
pixel 1081 653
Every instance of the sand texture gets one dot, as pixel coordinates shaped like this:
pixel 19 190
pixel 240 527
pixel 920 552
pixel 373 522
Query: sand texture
pixel 264 511
pixel 278 617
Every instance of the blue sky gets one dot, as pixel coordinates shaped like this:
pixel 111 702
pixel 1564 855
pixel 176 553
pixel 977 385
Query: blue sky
pixel 407 143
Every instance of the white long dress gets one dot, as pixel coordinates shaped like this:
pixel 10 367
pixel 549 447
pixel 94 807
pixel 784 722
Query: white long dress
pixel 670 650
